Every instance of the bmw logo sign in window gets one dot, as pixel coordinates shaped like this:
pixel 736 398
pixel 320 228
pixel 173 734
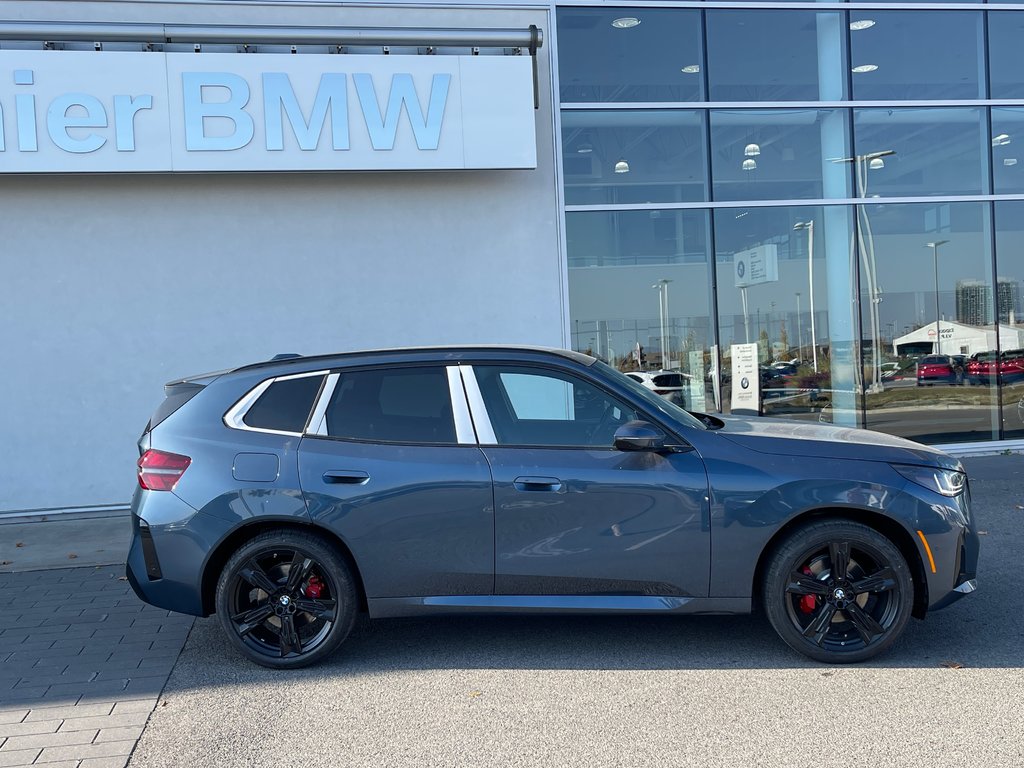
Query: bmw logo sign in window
pixel 741 268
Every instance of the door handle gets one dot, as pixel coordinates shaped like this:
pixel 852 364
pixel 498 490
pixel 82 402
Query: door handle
pixel 550 484
pixel 346 477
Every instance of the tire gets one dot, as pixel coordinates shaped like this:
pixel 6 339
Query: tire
pixel 815 614
pixel 261 610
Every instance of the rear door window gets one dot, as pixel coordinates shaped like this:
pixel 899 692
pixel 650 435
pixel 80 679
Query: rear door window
pixel 395 405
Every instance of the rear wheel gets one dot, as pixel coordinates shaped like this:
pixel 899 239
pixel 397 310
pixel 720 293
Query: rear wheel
pixel 286 599
pixel 837 591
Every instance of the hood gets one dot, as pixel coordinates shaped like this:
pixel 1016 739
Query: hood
pixel 784 437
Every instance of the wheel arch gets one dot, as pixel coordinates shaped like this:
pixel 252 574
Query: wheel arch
pixel 901 538
pixel 220 555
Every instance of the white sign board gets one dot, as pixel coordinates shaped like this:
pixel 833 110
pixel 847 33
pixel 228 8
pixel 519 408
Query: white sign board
pixel 81 111
pixel 746 380
pixel 756 265
pixel 695 399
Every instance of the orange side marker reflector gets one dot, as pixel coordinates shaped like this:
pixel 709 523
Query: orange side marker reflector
pixel 928 550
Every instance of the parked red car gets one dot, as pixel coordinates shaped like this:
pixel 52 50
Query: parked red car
pixel 1011 365
pixel 936 368
pixel 982 367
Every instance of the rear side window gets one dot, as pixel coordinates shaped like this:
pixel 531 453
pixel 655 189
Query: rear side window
pixel 285 406
pixel 399 405
pixel 668 380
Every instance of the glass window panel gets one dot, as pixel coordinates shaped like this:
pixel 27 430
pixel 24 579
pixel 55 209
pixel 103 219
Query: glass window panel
pixel 920 152
pixel 627 156
pixel 893 55
pixel 1007 142
pixel 1010 311
pixel 629 54
pixel 927 316
pixel 1006 54
pixel 776 55
pixel 779 154
pixel 531 407
pixel 797 309
pixel 639 294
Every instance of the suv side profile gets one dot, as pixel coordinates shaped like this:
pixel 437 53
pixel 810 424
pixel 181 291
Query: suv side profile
pixel 286 497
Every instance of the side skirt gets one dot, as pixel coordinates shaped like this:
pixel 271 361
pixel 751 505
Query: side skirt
pixel 393 607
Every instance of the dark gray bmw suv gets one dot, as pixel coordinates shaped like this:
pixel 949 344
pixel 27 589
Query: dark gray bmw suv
pixel 287 496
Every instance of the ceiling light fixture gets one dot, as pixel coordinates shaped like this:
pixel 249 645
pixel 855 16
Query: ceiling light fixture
pixel 749 165
pixel 626 22
pixel 752 150
pixel 691 69
pixel 585 148
pixel 860 24
pixel 862 68
pixel 1001 140
pixel 1009 161
pixel 622 167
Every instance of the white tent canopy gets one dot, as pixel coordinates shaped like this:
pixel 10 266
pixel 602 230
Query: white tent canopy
pixel 960 339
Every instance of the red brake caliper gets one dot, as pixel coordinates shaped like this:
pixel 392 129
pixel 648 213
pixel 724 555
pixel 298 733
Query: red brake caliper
pixel 313 588
pixel 808 603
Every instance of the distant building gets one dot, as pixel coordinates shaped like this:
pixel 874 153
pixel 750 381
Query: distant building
pixel 974 301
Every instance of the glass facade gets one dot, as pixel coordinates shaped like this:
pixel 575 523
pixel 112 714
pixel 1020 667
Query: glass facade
pixel 819 183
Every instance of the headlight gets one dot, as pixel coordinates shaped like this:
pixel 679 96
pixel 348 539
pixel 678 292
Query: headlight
pixel 945 481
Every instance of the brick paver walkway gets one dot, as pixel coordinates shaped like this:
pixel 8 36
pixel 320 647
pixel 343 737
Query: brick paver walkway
pixel 82 662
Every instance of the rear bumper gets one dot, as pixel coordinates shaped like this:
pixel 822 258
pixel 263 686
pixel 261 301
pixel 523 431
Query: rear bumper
pixel 169 546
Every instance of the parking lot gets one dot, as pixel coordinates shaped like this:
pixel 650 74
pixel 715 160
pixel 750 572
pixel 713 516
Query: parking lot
pixel 525 691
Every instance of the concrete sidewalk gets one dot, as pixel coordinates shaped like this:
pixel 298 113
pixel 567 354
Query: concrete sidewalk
pixel 82 660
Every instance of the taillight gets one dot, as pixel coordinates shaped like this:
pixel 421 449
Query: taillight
pixel 662 391
pixel 160 470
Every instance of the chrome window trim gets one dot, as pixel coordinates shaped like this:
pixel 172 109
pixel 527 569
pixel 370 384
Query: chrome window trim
pixel 318 421
pixel 233 419
pixel 464 431
pixel 481 420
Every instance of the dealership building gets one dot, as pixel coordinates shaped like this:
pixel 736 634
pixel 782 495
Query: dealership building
pixel 830 191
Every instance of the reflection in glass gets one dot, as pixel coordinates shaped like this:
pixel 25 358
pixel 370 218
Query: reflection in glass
pixel 927 315
pixel 1007 143
pixel 1005 54
pixel 1010 312
pixel 776 55
pixel 785 284
pixel 893 55
pixel 629 54
pixel 929 151
pixel 782 154
pixel 639 296
pixel 634 156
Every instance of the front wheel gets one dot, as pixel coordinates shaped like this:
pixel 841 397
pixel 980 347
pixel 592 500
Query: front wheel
pixel 838 592
pixel 286 599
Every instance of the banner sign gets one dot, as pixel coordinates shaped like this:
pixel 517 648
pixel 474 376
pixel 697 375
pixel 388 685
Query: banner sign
pixel 756 265
pixel 113 112
pixel 746 380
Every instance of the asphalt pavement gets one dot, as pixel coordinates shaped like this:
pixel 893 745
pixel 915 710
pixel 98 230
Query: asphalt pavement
pixel 623 691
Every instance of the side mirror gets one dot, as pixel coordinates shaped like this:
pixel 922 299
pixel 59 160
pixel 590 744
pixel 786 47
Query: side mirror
pixel 639 436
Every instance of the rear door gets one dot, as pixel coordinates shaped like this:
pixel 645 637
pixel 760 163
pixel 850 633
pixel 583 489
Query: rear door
pixel 395 471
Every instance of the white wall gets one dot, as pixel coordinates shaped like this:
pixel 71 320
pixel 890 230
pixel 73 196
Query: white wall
pixel 112 285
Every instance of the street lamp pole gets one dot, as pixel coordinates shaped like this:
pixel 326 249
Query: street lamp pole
pixel 799 327
pixel 935 261
pixel 809 226
pixel 662 286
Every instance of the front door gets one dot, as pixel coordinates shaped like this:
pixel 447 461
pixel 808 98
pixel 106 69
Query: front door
pixel 574 516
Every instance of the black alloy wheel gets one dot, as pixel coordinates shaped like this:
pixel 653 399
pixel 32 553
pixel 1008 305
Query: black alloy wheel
pixel 838 592
pixel 286 599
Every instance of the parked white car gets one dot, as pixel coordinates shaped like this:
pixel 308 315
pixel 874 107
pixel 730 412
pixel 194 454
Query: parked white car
pixel 671 385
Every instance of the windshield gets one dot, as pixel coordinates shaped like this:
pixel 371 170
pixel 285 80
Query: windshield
pixel 656 402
